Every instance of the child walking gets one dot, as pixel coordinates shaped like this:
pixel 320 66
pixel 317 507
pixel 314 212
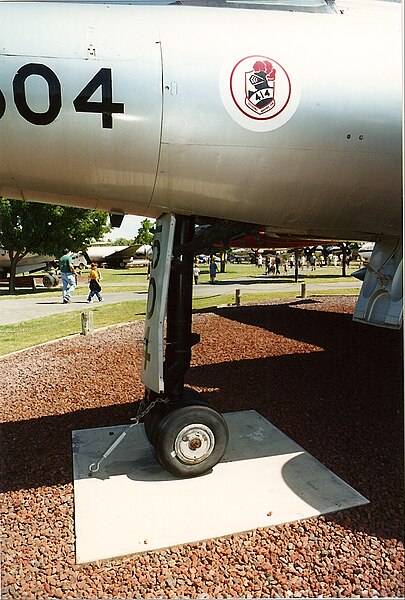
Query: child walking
pixel 196 273
pixel 94 285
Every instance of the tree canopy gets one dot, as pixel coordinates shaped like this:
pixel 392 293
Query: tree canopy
pixel 145 232
pixel 121 241
pixel 30 227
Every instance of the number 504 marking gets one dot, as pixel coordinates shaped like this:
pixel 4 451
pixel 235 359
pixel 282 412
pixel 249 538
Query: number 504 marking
pixel 82 103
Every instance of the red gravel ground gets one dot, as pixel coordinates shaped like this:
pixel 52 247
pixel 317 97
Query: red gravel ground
pixel 334 386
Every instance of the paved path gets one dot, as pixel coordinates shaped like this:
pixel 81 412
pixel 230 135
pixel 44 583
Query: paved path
pixel 29 307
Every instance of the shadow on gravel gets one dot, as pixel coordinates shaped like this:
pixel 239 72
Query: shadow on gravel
pixel 343 404
pixel 38 452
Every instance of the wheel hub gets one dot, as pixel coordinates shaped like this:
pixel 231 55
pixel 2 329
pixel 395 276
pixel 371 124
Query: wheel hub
pixel 194 443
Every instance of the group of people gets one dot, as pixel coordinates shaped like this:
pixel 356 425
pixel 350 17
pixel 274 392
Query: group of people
pixel 271 266
pixel 69 275
pixel 274 265
pixel 69 279
pixel 213 271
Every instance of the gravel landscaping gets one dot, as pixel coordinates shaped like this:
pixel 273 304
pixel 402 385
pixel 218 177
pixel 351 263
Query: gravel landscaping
pixel 334 386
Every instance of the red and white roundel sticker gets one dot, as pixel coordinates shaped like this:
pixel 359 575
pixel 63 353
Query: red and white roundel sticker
pixel 260 94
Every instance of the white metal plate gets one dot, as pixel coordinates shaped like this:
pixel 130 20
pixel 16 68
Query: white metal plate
pixel 132 505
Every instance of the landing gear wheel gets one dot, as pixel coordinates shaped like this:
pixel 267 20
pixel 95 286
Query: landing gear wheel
pixel 152 418
pixel 191 440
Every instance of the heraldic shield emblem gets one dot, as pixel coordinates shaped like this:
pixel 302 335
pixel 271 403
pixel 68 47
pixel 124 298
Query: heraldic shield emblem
pixel 261 90
pixel 260 87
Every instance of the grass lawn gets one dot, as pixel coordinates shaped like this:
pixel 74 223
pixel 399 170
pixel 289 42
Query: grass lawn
pixel 37 331
pixel 30 333
pixel 127 280
pixel 122 280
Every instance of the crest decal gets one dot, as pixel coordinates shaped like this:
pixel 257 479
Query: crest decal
pixel 259 94
pixel 260 87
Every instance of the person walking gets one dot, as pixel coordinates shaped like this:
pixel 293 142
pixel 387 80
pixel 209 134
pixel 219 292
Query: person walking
pixel 69 277
pixel 94 283
pixel 213 270
pixel 196 273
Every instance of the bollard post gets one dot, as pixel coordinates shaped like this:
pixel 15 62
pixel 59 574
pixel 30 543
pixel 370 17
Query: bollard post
pixel 303 290
pixel 238 297
pixel 87 323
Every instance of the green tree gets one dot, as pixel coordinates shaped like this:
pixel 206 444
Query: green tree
pixel 121 241
pixel 30 227
pixel 145 232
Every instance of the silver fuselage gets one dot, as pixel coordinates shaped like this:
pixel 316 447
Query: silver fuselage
pixel 181 131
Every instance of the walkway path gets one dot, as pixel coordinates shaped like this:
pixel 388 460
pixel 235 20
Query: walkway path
pixel 31 307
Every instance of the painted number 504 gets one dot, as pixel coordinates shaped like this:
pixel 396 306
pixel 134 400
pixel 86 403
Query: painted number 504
pixel 82 103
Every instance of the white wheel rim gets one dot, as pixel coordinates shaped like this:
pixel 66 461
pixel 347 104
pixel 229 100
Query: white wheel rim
pixel 194 443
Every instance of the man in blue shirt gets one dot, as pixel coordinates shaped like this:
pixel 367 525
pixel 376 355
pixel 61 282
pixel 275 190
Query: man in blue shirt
pixel 68 274
pixel 213 270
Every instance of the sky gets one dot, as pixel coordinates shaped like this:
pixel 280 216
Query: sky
pixel 128 229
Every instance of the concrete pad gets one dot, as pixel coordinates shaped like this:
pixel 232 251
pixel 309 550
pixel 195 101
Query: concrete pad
pixel 133 505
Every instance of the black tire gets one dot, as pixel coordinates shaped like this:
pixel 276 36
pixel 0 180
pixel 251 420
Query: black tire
pixel 48 280
pixel 191 440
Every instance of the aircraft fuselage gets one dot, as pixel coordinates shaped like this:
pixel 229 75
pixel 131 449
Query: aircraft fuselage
pixel 288 120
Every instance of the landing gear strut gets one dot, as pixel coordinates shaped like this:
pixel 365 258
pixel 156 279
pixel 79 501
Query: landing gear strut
pixel 189 437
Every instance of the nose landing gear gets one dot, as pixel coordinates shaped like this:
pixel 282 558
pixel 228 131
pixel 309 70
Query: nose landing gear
pixel 189 437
